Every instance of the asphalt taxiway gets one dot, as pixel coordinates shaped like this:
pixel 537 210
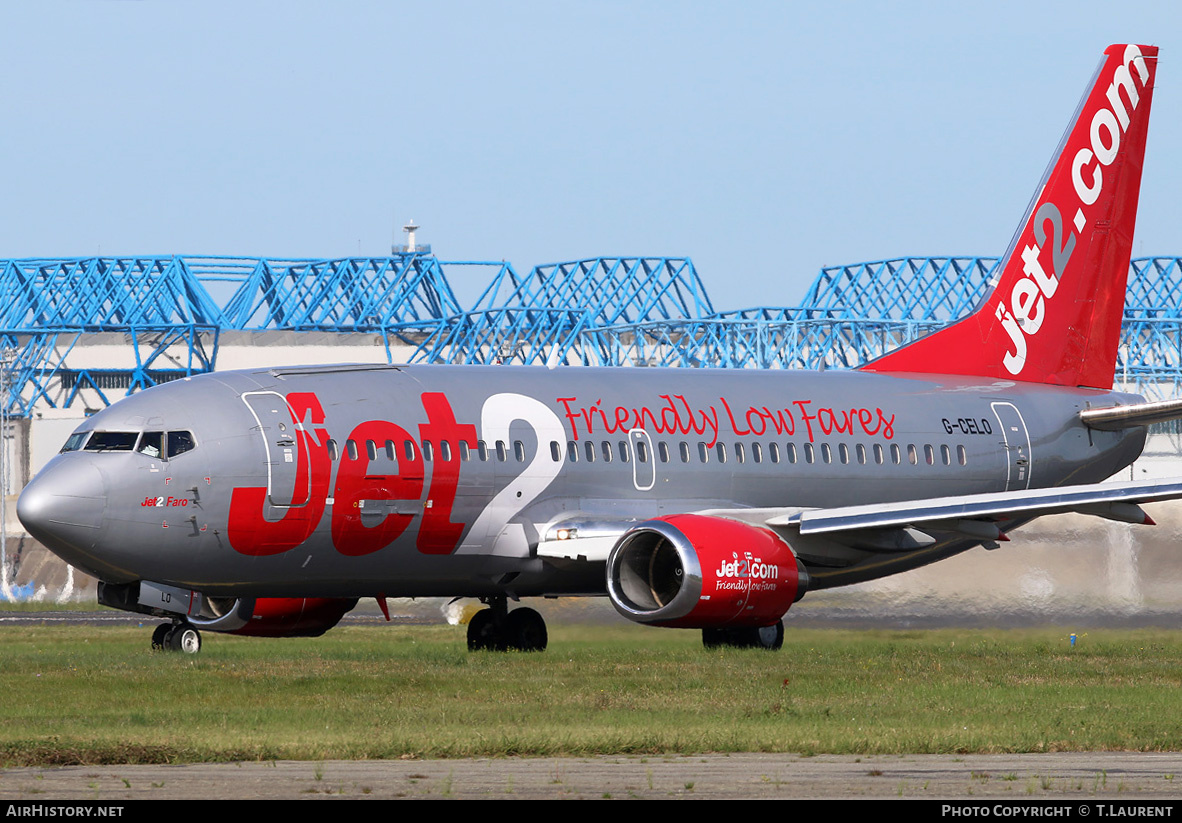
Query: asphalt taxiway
pixel 1077 778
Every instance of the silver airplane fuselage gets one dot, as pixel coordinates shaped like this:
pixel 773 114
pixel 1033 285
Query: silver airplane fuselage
pixel 356 481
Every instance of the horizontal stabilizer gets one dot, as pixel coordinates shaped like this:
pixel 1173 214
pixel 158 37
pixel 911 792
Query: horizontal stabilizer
pixel 1116 418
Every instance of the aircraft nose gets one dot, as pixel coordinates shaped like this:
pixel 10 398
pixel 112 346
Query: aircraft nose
pixel 63 508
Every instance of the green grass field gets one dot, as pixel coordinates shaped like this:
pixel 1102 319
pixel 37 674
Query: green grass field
pixel 97 695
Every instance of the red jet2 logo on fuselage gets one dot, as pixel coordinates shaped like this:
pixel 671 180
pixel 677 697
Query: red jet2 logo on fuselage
pixel 251 534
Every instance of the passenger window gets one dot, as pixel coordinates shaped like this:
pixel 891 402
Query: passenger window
pixel 826 453
pixel 843 453
pixel 624 451
pixel 642 451
pixel 808 452
pixel 333 451
pixel 946 455
pixel 962 455
pixel 408 448
pixel 428 450
pixel 151 444
pixel 773 450
pixel 391 455
pixel 502 451
pixel 896 454
pixel 878 455
pixel 371 450
pixel 351 449
pixel 607 452
pixel 663 451
pixel 589 450
pixel 572 451
pixel 757 452
pixel 929 454
pixel 703 452
pixel 912 455
pixel 482 450
pixel 519 451
pixel 445 451
pixel 861 454
pixel 791 452
pixel 720 449
pixel 684 448
pixel 740 453
pixel 178 443
pixel 465 451
pixel 555 451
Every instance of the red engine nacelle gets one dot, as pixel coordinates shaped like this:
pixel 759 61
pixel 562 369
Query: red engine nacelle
pixel 272 616
pixel 699 571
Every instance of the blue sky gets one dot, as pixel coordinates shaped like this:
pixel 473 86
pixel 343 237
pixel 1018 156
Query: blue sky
pixel 762 139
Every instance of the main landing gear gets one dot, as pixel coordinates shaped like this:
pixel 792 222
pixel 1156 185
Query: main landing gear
pixel 176 637
pixel 497 629
pixel 764 637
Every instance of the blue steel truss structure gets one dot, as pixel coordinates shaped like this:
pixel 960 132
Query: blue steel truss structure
pixel 163 316
pixel 552 315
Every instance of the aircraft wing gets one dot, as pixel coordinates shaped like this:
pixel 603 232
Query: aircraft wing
pixel 1115 501
pixel 898 526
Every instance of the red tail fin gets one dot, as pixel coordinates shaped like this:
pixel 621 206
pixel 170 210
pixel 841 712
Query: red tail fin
pixel 1055 314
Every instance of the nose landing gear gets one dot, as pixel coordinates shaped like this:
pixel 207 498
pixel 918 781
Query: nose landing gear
pixel 176 637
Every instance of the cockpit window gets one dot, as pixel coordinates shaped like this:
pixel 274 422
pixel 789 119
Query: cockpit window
pixel 179 443
pixel 75 442
pixel 112 441
pixel 152 444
